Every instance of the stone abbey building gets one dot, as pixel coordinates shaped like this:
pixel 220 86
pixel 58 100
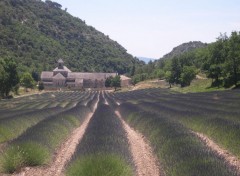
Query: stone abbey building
pixel 62 77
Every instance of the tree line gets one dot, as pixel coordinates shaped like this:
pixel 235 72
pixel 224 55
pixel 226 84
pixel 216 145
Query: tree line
pixel 219 60
pixel 11 79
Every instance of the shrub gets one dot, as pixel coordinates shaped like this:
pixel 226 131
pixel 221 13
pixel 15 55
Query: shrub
pixel 99 165
pixel 24 154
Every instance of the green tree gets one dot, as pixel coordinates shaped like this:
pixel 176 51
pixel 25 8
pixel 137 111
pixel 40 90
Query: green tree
pixel 233 59
pixel 2 79
pixel 108 81
pixel 159 73
pixel 217 58
pixel 27 81
pixel 169 78
pixel 135 80
pixel 116 82
pixel 40 86
pixel 35 76
pixel 176 70
pixel 113 82
pixel 8 76
pixel 187 75
pixel 132 73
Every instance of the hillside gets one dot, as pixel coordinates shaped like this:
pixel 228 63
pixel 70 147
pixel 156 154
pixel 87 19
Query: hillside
pixel 37 33
pixel 183 48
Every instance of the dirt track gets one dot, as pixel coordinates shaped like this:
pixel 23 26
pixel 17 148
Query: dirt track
pixel 230 159
pixel 144 159
pixel 2 146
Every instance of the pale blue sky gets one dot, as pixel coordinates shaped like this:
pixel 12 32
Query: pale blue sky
pixel 151 28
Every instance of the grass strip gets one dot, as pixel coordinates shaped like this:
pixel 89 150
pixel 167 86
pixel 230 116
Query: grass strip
pixel 100 165
pixel 23 154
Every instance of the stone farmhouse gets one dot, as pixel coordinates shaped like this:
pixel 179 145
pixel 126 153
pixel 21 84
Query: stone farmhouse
pixel 62 77
pixel 125 81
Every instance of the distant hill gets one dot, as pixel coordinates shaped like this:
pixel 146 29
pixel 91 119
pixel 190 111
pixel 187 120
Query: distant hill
pixel 185 47
pixel 146 59
pixel 37 33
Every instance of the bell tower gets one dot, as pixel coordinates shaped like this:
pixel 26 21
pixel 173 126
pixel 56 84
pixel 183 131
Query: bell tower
pixel 60 64
pixel 61 69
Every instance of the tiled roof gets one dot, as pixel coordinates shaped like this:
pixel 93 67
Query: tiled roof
pixel 92 76
pixel 123 77
pixel 48 83
pixel 76 75
pixel 59 76
pixel 46 75
pixel 64 69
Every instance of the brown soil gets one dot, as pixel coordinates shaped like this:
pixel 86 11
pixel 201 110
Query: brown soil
pixel 105 101
pixel 200 77
pixel 30 93
pixel 216 97
pixel 230 159
pixel 62 155
pixel 145 162
pixel 151 84
pixel 2 148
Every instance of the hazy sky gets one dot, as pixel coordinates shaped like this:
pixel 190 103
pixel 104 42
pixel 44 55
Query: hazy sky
pixel 151 28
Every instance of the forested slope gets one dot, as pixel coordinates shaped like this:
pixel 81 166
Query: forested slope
pixel 37 33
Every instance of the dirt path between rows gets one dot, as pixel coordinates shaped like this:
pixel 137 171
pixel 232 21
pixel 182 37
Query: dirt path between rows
pixel 63 154
pixel 105 100
pixel 145 162
pixel 2 146
pixel 230 159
